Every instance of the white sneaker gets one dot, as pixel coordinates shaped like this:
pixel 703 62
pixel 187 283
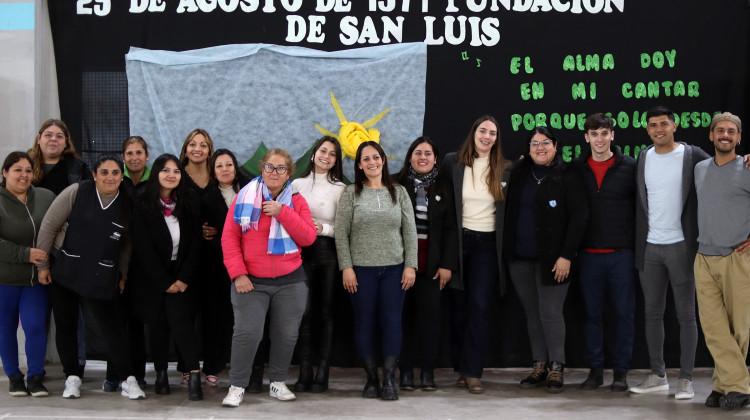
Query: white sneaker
pixel 279 391
pixel 234 397
pixel 652 383
pixel 131 389
pixel 684 390
pixel 72 387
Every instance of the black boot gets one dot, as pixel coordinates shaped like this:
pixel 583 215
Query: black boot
pixel 255 386
pixel 194 387
pixel 161 386
pixel 538 375
pixel 390 391
pixel 406 381
pixel 594 381
pixel 427 377
pixel 304 382
pixel 320 384
pixel 372 387
pixel 555 377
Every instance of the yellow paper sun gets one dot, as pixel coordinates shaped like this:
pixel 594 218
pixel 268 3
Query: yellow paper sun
pixel 352 134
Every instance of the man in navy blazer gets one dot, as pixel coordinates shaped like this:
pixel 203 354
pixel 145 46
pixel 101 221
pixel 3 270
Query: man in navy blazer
pixel 666 243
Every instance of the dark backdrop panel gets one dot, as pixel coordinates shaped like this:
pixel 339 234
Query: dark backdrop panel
pixel 709 41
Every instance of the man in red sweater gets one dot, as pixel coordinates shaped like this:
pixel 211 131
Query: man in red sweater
pixel 606 261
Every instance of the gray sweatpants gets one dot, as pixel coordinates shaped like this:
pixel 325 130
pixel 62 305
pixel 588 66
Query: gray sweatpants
pixel 543 305
pixel 666 265
pixel 285 306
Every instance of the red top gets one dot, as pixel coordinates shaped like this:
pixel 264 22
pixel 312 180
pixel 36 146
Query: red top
pixel 248 253
pixel 599 169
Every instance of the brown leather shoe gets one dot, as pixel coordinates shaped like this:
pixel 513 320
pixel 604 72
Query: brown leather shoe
pixel 461 381
pixel 475 385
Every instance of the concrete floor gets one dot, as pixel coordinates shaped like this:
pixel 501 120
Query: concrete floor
pixel 503 399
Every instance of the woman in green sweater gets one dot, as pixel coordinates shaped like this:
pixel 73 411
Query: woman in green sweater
pixel 22 208
pixel 376 242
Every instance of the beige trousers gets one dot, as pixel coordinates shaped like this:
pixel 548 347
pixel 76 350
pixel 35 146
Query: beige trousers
pixel 723 288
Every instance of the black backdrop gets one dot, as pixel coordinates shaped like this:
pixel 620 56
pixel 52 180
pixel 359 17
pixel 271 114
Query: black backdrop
pixel 700 45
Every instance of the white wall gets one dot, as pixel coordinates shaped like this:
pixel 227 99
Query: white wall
pixel 28 82
pixel 28 94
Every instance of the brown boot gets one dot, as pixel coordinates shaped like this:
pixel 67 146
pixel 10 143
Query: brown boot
pixel 474 385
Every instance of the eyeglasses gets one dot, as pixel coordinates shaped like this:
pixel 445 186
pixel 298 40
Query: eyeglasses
pixel 545 143
pixel 268 168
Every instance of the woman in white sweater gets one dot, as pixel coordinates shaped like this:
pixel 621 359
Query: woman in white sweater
pixel 321 187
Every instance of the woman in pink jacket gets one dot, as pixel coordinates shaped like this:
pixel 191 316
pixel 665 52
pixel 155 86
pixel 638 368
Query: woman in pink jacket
pixel 264 230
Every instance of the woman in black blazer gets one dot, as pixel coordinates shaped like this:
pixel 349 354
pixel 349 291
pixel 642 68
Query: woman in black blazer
pixel 546 218
pixel 218 317
pixel 474 188
pixel 436 232
pixel 166 237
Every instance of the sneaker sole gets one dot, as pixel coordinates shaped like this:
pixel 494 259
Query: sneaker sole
pixel 18 393
pixel 230 405
pixel 649 390
pixel 40 394
pixel 684 397
pixel 71 397
pixel 283 399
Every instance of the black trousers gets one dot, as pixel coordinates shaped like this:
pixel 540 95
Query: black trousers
pixel 217 318
pixel 321 267
pixel 137 338
pixel 176 317
pixel 421 322
pixel 65 308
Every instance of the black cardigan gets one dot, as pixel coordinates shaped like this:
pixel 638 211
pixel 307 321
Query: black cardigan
pixel 611 222
pixel 150 273
pixel 452 172
pixel 560 210
pixel 442 230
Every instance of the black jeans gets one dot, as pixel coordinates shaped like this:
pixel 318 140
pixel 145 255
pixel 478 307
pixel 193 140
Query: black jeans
pixel 421 320
pixel 65 307
pixel 321 267
pixel 471 306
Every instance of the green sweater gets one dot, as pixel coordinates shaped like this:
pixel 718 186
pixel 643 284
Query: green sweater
pixel 19 227
pixel 373 231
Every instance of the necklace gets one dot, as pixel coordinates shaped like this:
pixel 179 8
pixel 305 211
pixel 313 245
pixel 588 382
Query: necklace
pixel 538 180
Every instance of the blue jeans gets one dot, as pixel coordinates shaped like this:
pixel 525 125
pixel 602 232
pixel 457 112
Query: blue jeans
pixel 614 271
pixel 30 303
pixel 379 295
pixel 470 322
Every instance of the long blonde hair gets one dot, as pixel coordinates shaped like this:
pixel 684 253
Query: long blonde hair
pixel 468 153
pixel 35 153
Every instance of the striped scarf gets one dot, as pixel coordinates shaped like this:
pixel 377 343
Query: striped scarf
pixel 249 206
pixel 422 184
